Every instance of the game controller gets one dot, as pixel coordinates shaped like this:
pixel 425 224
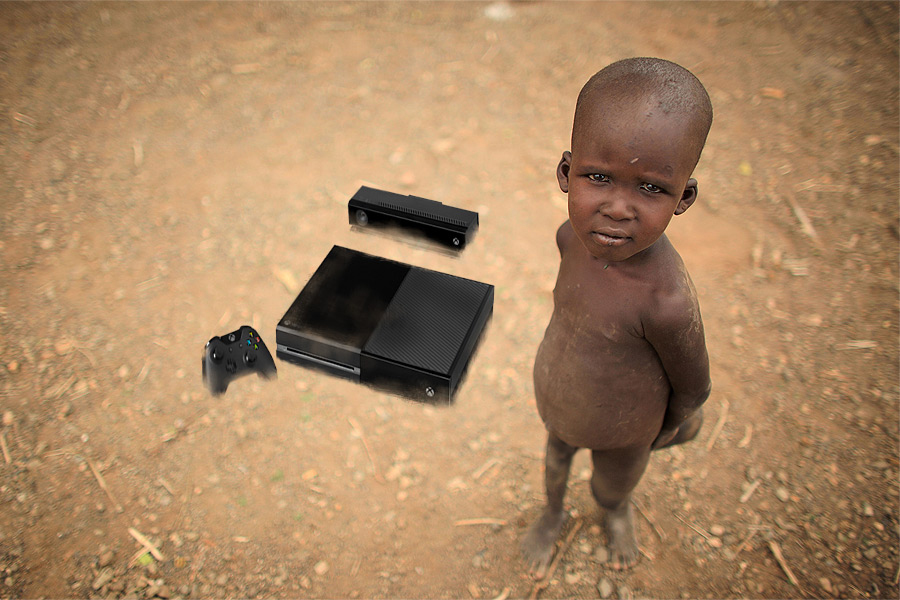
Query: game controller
pixel 239 353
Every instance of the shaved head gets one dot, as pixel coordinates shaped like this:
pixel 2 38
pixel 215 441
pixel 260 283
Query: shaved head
pixel 663 85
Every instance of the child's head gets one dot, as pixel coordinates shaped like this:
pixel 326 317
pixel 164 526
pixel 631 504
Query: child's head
pixel 640 126
pixel 658 85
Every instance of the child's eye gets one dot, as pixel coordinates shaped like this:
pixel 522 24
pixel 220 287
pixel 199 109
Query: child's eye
pixel 653 189
pixel 598 177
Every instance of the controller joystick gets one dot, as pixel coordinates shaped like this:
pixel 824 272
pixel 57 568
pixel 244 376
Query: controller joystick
pixel 228 357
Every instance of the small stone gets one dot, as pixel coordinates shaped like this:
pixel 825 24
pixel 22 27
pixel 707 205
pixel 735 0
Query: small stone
pixel 782 494
pixel 605 587
pixel 442 146
pixel 867 510
pixel 573 578
pixel 871 553
pixel 8 418
pixel 625 593
pixel 105 559
pixel 601 554
pixel 321 568
pixel 825 585
pixel 717 530
pixel 63 347
pixel 46 243
pixel 408 179
pixel 12 366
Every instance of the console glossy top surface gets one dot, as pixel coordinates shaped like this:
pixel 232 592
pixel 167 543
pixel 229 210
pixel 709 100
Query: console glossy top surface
pixel 346 297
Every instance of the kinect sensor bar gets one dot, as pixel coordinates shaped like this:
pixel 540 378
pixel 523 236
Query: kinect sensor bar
pixel 449 226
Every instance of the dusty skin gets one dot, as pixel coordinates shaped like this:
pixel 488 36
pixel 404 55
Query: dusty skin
pixel 169 172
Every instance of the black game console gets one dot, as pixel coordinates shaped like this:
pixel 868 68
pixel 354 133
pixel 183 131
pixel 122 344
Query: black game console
pixel 449 226
pixel 387 324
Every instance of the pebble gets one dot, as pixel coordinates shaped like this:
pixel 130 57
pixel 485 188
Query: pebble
pixel 321 568
pixel 601 554
pixel 782 494
pixel 105 559
pixel 605 587
pixel 625 593
pixel 825 585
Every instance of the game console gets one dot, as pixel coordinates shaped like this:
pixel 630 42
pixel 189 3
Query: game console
pixel 387 324
pixel 451 227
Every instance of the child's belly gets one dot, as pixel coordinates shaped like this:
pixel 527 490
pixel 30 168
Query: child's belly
pixel 599 393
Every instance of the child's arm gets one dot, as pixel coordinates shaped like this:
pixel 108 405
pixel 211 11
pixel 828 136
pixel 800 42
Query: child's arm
pixel 676 332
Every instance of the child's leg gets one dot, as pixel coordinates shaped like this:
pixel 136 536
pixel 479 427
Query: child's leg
pixel 616 473
pixel 541 538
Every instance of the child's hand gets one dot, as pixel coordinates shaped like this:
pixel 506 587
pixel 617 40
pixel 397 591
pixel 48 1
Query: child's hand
pixel 665 436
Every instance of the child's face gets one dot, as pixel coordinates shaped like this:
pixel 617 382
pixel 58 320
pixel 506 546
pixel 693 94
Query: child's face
pixel 627 175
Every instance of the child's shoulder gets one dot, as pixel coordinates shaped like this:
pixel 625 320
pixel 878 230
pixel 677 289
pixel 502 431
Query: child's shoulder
pixel 674 297
pixel 565 235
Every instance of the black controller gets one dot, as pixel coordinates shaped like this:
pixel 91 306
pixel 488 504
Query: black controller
pixel 234 355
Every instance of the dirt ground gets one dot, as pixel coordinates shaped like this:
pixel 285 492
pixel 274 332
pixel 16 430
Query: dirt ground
pixel 173 171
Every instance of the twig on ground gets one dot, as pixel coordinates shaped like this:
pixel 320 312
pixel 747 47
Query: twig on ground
pixel 748 435
pixel 6 455
pixel 697 529
pixel 746 495
pixel 746 541
pixel 365 442
pixel 545 581
pixel 102 482
pixel 805 223
pixel 480 521
pixel 776 551
pixel 719 425
pixel 659 533
pixel 484 468
pixel 143 541
pixel 504 594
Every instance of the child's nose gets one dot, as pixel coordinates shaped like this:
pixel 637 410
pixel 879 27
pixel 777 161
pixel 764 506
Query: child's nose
pixel 617 207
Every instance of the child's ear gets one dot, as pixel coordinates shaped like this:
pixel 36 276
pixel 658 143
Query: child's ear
pixel 688 197
pixel 562 171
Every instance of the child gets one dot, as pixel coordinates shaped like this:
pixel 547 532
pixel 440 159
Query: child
pixel 623 368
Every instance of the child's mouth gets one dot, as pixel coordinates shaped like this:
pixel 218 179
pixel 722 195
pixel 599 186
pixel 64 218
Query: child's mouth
pixel 608 239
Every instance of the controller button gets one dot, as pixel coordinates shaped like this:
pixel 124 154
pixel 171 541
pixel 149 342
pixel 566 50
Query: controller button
pixel 249 357
pixel 231 337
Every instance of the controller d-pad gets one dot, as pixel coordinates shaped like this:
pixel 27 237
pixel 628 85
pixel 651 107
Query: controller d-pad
pixel 231 366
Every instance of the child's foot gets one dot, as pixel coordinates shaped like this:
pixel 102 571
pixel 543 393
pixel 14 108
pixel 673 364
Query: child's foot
pixel 540 541
pixel 623 548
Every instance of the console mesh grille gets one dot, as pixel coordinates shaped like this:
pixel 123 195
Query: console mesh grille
pixel 426 323
pixel 420 213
